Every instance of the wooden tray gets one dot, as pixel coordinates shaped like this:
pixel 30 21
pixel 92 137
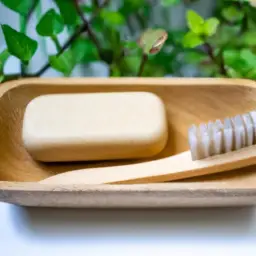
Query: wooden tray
pixel 187 101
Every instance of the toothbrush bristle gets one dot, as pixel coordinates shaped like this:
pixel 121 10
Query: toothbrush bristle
pixel 219 137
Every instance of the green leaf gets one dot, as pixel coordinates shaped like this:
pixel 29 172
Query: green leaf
pixel 112 18
pixel 98 24
pixel 249 38
pixel 209 70
pixel 194 57
pixel 131 6
pixel 251 12
pixel 81 51
pixel 163 60
pixel 88 8
pixel 4 55
pixel 233 73
pixel 167 3
pixel 249 57
pixel 231 57
pixel 146 10
pixel 192 40
pixel 240 62
pixel 19 44
pixel 84 50
pixel 130 45
pixel 63 63
pixel 68 11
pixel 50 24
pixel 153 71
pixel 115 71
pixel 211 26
pixel 195 22
pixel 131 64
pixel 107 55
pixel 112 36
pixel 232 14
pixel 132 48
pixel 251 74
pixel 226 36
pixel 20 6
pixel 176 36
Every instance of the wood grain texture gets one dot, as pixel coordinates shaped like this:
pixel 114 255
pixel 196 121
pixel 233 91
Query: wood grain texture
pixel 168 169
pixel 187 101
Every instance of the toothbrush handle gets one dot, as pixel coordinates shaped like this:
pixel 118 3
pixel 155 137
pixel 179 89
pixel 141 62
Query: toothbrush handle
pixel 176 167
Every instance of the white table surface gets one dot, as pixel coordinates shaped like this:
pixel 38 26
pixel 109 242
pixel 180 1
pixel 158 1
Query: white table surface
pixel 72 232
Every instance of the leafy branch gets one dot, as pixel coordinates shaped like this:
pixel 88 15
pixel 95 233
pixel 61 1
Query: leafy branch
pixel 24 22
pixel 20 52
pixel 200 32
pixel 210 51
pixel 229 41
pixel 83 28
pixel 87 25
pixel 223 45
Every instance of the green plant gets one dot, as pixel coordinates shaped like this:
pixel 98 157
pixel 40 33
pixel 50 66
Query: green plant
pixel 220 46
pixel 227 45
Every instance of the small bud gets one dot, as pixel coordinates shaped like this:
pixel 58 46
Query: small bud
pixel 253 3
pixel 152 40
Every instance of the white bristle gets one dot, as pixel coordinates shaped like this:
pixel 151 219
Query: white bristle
pixel 228 136
pixel 205 141
pixel 253 116
pixel 248 129
pixel 219 137
pixel 239 132
pixel 210 134
pixel 193 142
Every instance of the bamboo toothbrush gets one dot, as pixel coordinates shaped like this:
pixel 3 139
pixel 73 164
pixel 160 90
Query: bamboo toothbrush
pixel 214 147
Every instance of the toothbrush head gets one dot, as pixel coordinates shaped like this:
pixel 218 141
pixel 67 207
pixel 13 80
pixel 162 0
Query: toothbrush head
pixel 219 137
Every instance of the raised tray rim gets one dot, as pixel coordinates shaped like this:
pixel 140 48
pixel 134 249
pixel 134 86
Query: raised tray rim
pixel 182 190
pixel 127 81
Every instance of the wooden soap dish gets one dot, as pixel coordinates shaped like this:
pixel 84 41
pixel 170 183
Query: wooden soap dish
pixel 187 101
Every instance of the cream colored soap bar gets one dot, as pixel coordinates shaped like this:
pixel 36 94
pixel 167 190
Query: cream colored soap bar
pixel 94 126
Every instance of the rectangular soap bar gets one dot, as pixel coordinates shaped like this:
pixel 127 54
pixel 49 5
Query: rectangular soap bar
pixel 94 126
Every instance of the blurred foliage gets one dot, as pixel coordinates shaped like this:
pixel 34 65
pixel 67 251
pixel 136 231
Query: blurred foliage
pixel 124 37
